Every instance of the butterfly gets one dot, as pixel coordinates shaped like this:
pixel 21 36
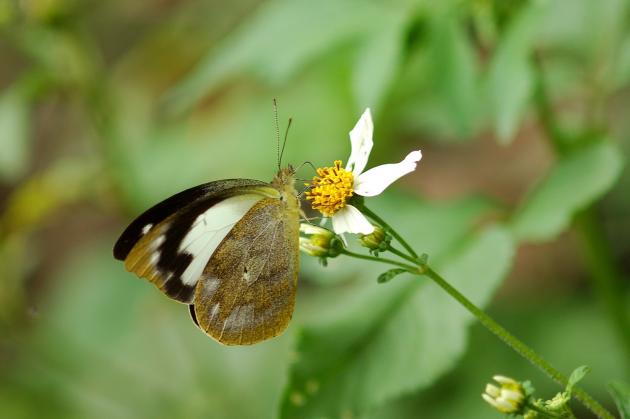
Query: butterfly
pixel 229 249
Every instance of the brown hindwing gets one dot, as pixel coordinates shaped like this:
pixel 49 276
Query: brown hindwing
pixel 247 291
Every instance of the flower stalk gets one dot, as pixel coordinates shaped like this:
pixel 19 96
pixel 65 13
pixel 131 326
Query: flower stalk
pixel 421 267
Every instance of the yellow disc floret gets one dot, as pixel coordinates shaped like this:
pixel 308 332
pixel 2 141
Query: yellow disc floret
pixel 330 189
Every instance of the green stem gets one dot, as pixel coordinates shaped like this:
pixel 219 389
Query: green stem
pixel 403 255
pixel 490 324
pixel 388 229
pixel 522 349
pixel 543 411
pixel 421 268
pixel 410 268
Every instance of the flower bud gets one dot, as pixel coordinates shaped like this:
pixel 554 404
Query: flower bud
pixel 318 241
pixel 375 241
pixel 508 398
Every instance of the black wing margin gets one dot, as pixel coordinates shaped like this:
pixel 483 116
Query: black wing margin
pixel 163 227
pixel 161 211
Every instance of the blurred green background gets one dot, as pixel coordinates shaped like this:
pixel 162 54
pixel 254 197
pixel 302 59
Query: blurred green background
pixel 521 199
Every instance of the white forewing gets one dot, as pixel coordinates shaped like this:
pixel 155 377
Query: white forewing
pixel 209 229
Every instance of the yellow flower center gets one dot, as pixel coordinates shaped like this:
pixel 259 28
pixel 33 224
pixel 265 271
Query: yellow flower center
pixel 331 189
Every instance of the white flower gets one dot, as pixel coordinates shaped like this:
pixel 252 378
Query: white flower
pixel 335 185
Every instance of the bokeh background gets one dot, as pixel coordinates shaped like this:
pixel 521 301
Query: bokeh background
pixel 521 200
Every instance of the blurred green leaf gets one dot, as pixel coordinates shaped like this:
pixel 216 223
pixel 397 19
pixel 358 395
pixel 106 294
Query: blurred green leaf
pixel 64 182
pixel 510 79
pixel 103 343
pixel 17 258
pixel 378 60
pixel 7 12
pixel 575 182
pixel 280 38
pixel 454 73
pixel 67 57
pixel 239 128
pixel 562 28
pixel 14 133
pixel 620 392
pixel 622 68
pixel 411 334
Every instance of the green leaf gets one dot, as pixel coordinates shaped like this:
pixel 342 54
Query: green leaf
pixel 576 376
pixel 14 133
pixel 454 73
pixel 575 182
pixel 389 275
pixel 392 340
pixel 620 392
pixel 66 57
pixel 279 39
pixel 510 78
pixel 378 60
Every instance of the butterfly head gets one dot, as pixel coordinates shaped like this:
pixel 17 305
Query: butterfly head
pixel 284 181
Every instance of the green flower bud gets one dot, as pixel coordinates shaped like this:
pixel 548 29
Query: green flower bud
pixel 377 241
pixel 509 397
pixel 319 242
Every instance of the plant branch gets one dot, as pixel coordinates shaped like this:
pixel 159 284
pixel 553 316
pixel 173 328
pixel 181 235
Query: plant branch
pixel 517 345
pixel 410 268
pixel 422 269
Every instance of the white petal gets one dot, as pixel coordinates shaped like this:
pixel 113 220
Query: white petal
pixel 490 400
pixel 375 180
pixel 350 220
pixel 493 390
pixel 310 229
pixel 344 239
pixel 361 142
pixel 501 379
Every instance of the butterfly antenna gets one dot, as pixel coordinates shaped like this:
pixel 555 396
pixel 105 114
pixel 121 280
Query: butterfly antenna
pixel 304 190
pixel 307 163
pixel 275 115
pixel 284 142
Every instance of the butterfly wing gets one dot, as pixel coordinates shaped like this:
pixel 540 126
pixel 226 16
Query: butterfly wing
pixel 247 291
pixel 170 244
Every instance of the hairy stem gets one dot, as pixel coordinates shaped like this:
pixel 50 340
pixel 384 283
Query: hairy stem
pixel 517 345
